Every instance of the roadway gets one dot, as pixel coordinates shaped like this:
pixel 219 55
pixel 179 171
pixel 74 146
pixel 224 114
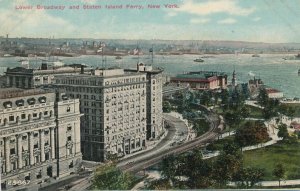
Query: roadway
pixel 177 133
pixel 139 165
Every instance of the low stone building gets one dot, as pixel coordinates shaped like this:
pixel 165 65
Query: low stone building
pixel 39 136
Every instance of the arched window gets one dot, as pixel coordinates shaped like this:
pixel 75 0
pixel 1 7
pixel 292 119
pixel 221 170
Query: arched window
pixel 5 122
pixel 29 117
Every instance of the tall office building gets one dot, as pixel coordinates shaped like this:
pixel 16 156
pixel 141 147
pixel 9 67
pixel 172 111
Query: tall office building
pixel 154 114
pixel 39 136
pixel 114 106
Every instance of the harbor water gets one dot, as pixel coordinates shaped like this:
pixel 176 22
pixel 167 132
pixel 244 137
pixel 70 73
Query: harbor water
pixel 271 68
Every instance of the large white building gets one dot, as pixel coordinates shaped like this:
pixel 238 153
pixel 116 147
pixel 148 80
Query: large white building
pixel 39 136
pixel 122 108
pixel 114 105
pixel 154 85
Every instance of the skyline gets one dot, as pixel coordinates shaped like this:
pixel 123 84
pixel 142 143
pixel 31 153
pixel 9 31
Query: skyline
pixel 252 21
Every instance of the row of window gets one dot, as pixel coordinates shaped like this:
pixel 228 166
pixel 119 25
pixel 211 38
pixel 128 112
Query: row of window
pixel 21 102
pixel 24 117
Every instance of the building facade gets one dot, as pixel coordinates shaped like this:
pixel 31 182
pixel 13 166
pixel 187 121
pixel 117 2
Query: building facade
pixel 155 80
pixel 114 105
pixel 21 77
pixel 39 136
pixel 203 80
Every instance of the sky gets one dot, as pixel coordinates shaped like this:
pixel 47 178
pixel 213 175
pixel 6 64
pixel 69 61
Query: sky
pixel 238 20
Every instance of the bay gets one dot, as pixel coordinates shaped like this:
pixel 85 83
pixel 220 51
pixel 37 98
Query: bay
pixel 271 68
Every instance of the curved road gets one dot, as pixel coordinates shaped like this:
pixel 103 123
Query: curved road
pixel 201 141
pixel 148 158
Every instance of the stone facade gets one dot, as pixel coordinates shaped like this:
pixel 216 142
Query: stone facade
pixel 39 136
pixel 20 77
pixel 114 107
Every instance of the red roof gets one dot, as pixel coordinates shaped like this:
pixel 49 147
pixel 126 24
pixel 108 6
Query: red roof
pixel 271 90
pixel 210 79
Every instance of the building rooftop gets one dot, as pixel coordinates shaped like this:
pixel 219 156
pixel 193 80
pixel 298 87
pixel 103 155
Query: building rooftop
pixel 6 93
pixel 272 90
pixel 196 77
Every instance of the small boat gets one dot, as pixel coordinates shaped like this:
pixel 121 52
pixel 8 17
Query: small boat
pixel 198 60
pixel 118 57
pixel 7 55
pixel 299 72
pixel 255 55
pixel 297 56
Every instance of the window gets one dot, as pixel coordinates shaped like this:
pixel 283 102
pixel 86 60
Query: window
pixel 47 156
pixel 69 138
pixel 24 137
pixel 71 164
pixel 7 104
pixel 36 145
pixel 36 134
pixel 34 115
pixel 20 103
pixel 68 109
pixel 69 128
pixel 31 101
pixel 11 118
pixel 45 112
pixel 46 132
pixel 12 151
pixel 39 174
pixel 23 116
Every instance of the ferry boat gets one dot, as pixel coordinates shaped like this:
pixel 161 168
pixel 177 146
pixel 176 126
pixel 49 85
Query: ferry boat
pixel 198 60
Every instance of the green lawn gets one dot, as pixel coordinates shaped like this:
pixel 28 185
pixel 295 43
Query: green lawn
pixel 294 106
pixel 287 154
pixel 255 112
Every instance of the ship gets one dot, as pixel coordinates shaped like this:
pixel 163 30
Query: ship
pixel 7 55
pixel 198 60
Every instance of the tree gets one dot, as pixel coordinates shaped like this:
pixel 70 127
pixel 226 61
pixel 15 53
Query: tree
pixel 244 112
pixel 251 133
pixel 167 107
pixel 263 97
pixel 250 176
pixel 279 172
pixel 109 177
pixel 169 167
pixel 225 99
pixel 197 170
pixel 232 119
pixel 282 131
pixel 227 164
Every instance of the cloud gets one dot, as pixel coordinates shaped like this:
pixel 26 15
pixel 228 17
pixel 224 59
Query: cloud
pixel 227 21
pixel 256 19
pixel 169 14
pixel 199 21
pixel 212 7
pixel 33 23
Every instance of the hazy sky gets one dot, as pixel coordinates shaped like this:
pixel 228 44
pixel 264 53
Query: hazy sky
pixel 247 20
